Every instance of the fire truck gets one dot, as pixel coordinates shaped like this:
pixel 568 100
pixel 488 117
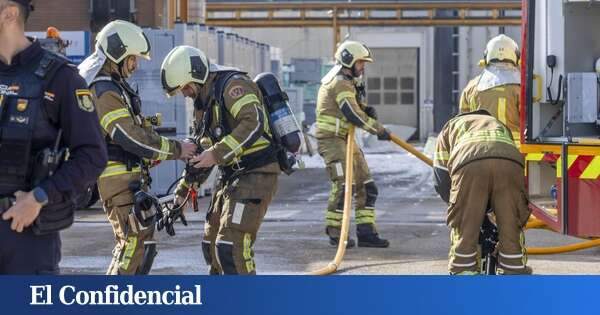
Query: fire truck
pixel 560 116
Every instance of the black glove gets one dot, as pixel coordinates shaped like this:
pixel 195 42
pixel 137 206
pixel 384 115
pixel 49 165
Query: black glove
pixel 371 112
pixel 384 135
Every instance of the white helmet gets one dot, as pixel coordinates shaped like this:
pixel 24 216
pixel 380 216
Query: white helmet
pixel 502 48
pixel 183 65
pixel 351 51
pixel 119 39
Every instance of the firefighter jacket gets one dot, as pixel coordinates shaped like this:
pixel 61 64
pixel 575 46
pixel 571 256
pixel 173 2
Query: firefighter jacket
pixel 339 104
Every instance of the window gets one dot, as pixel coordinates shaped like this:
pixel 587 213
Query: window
pixel 407 98
pixel 390 83
pixel 374 83
pixel 407 83
pixel 374 98
pixel 390 98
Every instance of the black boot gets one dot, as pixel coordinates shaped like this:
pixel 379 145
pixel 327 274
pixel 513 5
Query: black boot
pixel 334 237
pixel 368 237
pixel 335 241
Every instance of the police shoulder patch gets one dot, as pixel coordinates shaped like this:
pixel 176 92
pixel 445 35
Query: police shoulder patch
pixel 237 91
pixel 84 100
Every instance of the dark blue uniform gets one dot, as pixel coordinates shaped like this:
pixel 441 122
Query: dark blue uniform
pixel 41 94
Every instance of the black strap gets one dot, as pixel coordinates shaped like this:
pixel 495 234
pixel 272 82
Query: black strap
pixel 248 163
pixel 118 154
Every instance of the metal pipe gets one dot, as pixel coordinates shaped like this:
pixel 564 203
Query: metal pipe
pixel 335 263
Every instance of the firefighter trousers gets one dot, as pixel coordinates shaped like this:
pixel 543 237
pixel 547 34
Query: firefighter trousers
pixel 500 185
pixel 233 220
pixel 130 237
pixel 333 151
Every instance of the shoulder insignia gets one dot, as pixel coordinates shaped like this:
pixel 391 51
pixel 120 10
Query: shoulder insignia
pixel 84 100
pixel 236 91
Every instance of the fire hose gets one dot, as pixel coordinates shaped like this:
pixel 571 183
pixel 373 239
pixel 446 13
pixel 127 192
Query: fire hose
pixel 341 250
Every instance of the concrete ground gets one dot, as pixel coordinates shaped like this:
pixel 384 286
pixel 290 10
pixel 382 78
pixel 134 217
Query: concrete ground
pixel 292 239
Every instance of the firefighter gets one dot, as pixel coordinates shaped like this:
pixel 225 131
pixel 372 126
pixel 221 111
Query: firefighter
pixel 498 88
pixel 233 128
pixel 131 144
pixel 478 167
pixel 47 109
pixel 340 102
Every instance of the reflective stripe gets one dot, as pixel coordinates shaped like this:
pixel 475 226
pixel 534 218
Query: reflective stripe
pixel 117 168
pixel 333 215
pixel 364 216
pixel 257 146
pixel 464 265
pixel 511 266
pixel 130 247
pixel 502 110
pixel 145 146
pixel 465 255
pixel 441 156
pixel 110 117
pixel 332 124
pixel 482 136
pixel 343 95
pixel 534 157
pixel 224 242
pixel 164 147
pixel 238 149
pixel 247 99
pixel 570 160
pixel 248 252
pixel 592 171
pixel 516 256
pixel 232 144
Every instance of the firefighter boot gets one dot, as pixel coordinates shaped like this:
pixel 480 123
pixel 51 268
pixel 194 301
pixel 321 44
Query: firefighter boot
pixel 368 237
pixel 334 237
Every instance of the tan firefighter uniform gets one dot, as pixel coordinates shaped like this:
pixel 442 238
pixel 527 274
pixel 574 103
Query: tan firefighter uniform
pixel 498 87
pixel 240 132
pixel 338 106
pixel 501 101
pixel 485 168
pixel 128 140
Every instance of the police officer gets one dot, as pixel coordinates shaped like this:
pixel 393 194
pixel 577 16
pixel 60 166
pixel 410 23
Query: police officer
pixel 131 144
pixel 46 109
pixel 231 121
pixel 340 102
pixel 477 166
pixel 498 88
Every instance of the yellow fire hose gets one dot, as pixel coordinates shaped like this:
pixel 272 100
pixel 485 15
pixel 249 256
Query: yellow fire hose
pixel 532 224
pixel 335 263
pixel 411 150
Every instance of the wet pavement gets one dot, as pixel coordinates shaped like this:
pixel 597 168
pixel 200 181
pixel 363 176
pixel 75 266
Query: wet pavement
pixel 292 239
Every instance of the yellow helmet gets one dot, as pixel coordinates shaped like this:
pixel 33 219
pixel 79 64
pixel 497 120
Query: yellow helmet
pixel 119 39
pixel 351 51
pixel 502 48
pixel 183 65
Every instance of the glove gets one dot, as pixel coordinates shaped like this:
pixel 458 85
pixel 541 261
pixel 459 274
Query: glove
pixel 384 135
pixel 371 112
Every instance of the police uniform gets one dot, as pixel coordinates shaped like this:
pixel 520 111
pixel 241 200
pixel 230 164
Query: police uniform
pixel 477 167
pixel 497 90
pixel 237 126
pixel 131 147
pixel 40 94
pixel 339 105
